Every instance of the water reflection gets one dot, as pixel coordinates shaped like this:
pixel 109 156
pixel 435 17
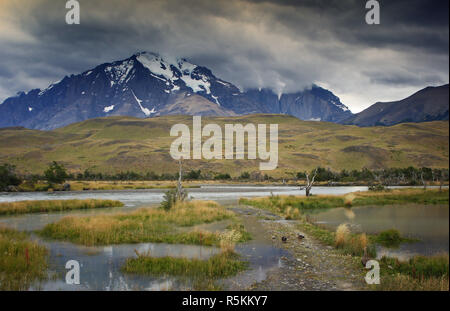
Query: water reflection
pixel 429 224
pixel 100 267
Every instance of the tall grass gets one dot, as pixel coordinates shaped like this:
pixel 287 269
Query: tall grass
pixel 143 225
pixel 43 206
pixel 342 235
pixel 417 273
pixel 22 261
pixel 392 238
pixel 419 266
pixel 353 244
pixel 222 265
pixel 402 282
pixel 281 204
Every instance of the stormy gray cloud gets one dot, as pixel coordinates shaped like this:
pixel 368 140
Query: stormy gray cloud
pixel 284 45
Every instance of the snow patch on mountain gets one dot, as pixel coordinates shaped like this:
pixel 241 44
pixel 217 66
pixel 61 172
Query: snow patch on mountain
pixel 146 111
pixel 108 108
pixel 119 73
pixel 172 69
pixel 49 88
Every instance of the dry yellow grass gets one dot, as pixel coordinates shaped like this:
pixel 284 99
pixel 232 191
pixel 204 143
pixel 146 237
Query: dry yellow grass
pixel 402 282
pixel 342 235
pixel 363 241
pixel 348 199
pixel 22 260
pixel 143 225
pixel 40 206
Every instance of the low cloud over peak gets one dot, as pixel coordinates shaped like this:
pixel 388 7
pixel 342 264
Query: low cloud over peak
pixel 283 45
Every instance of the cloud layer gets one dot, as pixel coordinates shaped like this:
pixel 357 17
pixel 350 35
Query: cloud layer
pixel 285 45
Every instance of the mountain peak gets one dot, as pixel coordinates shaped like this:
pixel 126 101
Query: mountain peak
pixel 148 84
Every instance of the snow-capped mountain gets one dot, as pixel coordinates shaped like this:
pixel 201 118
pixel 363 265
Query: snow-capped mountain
pixel 148 84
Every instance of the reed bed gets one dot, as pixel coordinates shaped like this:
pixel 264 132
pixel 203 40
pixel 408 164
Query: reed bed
pixel 224 264
pixel 285 204
pixel 22 261
pixel 45 206
pixel 143 225
pixel 419 273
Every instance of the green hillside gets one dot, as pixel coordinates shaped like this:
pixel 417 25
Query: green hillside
pixel 117 144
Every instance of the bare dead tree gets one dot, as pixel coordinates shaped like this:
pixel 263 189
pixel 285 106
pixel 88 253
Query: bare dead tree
pixel 442 176
pixel 309 183
pixel 423 180
pixel 181 193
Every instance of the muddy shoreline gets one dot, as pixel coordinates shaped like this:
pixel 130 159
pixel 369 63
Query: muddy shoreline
pixel 308 265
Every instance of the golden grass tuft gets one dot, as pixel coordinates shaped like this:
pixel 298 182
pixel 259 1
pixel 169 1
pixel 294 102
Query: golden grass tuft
pixel 363 240
pixel 348 199
pixel 342 235
pixel 44 206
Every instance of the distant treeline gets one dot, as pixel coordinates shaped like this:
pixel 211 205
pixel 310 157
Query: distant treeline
pixel 56 174
pixel 390 176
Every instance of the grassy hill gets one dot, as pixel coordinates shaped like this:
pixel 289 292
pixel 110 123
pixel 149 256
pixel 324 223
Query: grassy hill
pixel 117 144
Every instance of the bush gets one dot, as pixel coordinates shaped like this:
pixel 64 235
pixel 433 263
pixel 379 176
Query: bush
pixel 8 177
pixel 245 175
pixel 193 174
pixel 377 188
pixel 170 198
pixel 56 173
pixel 392 238
pixel 223 176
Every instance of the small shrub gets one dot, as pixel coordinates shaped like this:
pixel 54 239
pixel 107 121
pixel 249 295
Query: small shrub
pixel 245 175
pixel 390 238
pixel 170 198
pixel 377 188
pixel 222 176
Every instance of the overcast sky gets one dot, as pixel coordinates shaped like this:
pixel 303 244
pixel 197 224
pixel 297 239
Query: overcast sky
pixel 281 44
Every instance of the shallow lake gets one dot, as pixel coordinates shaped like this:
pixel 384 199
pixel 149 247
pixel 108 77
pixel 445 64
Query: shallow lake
pixel 429 224
pixel 101 265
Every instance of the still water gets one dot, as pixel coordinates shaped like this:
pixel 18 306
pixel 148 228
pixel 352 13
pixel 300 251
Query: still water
pixel 429 224
pixel 100 266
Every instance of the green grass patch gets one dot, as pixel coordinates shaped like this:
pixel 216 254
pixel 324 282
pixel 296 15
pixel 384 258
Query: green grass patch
pixel 402 196
pixel 392 238
pixel 418 273
pixel 22 261
pixel 243 235
pixel 224 264
pixel 144 225
pixel 418 267
pixel 44 206
pixel 281 204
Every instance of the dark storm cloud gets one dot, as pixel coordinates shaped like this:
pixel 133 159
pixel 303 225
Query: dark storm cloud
pixel 285 45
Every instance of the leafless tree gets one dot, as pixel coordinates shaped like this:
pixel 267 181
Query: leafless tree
pixel 442 176
pixel 309 183
pixel 181 193
pixel 423 180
